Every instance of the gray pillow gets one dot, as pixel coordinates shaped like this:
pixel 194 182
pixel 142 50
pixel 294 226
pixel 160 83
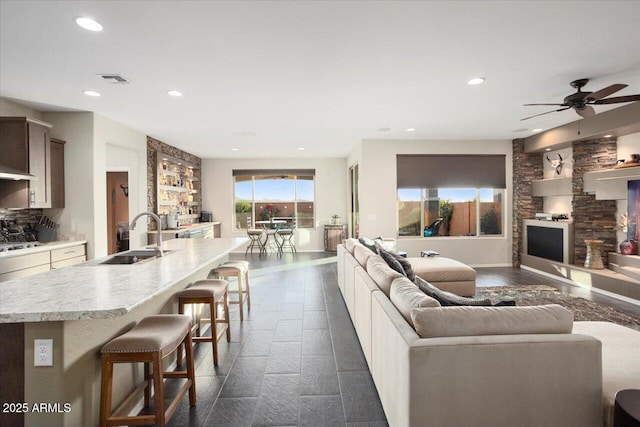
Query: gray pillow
pixel 447 298
pixel 391 261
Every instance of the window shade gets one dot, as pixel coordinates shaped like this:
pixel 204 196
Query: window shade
pixel 451 171
pixel 257 172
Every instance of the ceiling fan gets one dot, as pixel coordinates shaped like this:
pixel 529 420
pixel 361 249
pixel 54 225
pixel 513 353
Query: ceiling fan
pixel 582 102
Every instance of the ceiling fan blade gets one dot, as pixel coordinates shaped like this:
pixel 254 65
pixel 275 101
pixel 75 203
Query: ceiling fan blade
pixel 594 96
pixel 565 105
pixel 548 112
pixel 617 99
pixel 587 111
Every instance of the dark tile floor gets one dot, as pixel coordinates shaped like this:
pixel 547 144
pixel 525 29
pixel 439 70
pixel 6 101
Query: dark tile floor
pixel 296 359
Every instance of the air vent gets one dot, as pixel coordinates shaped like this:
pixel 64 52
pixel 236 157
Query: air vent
pixel 115 79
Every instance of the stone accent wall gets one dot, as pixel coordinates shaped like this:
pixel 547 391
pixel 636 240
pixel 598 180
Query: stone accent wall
pixel 22 217
pixel 593 219
pixel 526 168
pixel 154 147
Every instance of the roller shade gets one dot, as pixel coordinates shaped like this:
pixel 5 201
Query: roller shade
pixel 451 171
pixel 258 172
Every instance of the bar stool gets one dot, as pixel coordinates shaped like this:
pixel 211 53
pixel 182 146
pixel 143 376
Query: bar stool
pixel 256 240
pixel 286 242
pixel 236 269
pixel 149 341
pixel 214 293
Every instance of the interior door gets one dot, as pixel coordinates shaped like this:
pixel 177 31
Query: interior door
pixel 117 212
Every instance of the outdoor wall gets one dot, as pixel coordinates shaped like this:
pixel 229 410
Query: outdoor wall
pixel 331 187
pixel 378 199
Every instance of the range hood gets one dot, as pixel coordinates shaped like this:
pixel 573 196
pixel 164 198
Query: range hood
pixel 7 172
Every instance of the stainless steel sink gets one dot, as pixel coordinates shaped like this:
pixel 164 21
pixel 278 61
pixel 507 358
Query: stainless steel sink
pixel 134 256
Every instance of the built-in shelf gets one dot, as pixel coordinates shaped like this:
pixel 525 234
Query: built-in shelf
pixel 167 172
pixel 610 184
pixel 551 187
pixel 177 189
pixel 166 203
pixel 192 203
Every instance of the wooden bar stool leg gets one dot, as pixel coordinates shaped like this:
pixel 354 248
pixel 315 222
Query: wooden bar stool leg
pixel 181 311
pixel 214 329
pixel 226 315
pixel 240 300
pixel 106 389
pixel 248 291
pixel 191 372
pixel 148 377
pixel 158 390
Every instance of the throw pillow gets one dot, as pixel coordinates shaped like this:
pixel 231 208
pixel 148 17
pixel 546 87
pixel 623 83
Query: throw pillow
pixel 369 243
pixel 405 295
pixel 391 261
pixel 447 298
pixel 404 262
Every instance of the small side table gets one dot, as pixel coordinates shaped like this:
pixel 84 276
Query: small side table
pixel 626 412
pixel 334 235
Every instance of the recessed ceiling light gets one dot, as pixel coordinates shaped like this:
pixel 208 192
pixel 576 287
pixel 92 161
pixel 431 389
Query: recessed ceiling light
pixel 384 129
pixel 521 130
pixel 411 130
pixel 90 93
pixel 536 130
pixel 88 23
pixel 608 136
pixel 174 93
pixel 476 81
pixel 235 149
pixel 301 148
pixel 547 149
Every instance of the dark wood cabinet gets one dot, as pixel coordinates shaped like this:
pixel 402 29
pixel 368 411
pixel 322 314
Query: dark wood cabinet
pixel 26 146
pixel 57 173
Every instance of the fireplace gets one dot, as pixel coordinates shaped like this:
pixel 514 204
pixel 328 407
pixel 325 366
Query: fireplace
pixel 552 240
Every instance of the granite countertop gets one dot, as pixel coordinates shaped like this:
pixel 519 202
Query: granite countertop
pixel 44 247
pixel 95 291
pixel 186 227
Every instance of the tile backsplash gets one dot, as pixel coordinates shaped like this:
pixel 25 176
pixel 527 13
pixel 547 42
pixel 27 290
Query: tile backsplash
pixel 21 216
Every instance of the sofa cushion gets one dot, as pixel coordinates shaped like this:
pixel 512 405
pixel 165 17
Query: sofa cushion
pixel 405 295
pixel 407 269
pixel 441 269
pixel 350 244
pixel 476 321
pixel 447 298
pixel 381 273
pixel 362 254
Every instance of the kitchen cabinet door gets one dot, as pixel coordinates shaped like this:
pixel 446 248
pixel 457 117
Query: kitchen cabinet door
pixel 57 173
pixel 39 165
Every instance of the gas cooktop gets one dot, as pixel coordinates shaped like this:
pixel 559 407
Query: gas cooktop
pixel 12 246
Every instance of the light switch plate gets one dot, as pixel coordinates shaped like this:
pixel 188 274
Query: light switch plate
pixel 43 352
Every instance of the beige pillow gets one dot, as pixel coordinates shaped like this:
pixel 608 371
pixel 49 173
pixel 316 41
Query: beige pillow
pixel 350 244
pixel 473 321
pixel 405 295
pixel 381 273
pixel 361 253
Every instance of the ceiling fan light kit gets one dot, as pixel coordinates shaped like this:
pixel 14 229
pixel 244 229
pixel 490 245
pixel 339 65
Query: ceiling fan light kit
pixel 582 102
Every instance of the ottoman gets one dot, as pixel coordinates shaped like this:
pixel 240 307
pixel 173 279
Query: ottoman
pixel 447 274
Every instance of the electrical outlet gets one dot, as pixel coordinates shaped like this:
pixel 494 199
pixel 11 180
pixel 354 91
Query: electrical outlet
pixel 43 352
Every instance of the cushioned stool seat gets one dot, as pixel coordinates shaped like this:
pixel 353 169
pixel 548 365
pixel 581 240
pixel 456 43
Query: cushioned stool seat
pixel 447 274
pixel 149 341
pixel 212 292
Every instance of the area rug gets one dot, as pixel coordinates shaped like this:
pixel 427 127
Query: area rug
pixel 581 308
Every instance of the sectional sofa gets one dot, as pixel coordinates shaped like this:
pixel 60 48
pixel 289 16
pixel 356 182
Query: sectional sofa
pixel 479 366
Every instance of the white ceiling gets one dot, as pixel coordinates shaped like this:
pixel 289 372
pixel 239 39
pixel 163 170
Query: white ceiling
pixel 270 77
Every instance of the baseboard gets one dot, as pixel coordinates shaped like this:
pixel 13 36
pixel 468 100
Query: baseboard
pixel 491 265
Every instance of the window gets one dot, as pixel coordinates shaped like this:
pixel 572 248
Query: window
pixel 450 212
pixel 284 196
pixel 450 195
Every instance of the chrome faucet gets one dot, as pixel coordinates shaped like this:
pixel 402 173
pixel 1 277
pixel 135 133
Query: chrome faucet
pixel 132 226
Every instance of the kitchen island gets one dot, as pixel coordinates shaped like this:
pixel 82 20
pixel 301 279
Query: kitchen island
pixel 81 308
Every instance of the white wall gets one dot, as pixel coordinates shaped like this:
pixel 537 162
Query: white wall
pixel 76 220
pixel 330 192
pixel 94 145
pixel 119 148
pixel 378 206
pixel 9 108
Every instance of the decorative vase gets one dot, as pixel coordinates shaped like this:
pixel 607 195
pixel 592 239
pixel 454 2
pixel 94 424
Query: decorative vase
pixel 629 247
pixel 594 259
